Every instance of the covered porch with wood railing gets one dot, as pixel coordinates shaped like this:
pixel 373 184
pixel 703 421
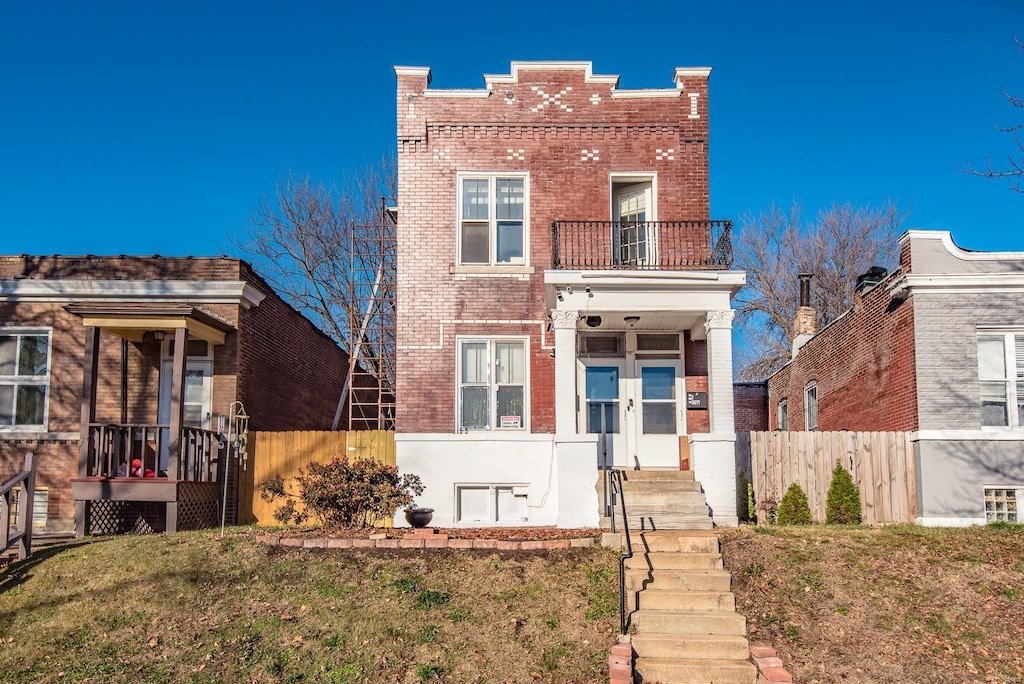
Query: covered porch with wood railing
pixel 159 476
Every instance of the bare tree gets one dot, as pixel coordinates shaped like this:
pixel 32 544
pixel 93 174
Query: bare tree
pixel 776 245
pixel 327 251
pixel 1013 169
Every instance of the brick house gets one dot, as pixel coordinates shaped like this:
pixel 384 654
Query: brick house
pixel 935 348
pixel 561 288
pixel 105 360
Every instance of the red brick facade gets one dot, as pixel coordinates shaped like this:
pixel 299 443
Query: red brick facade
pixel 569 132
pixel 750 403
pixel 288 374
pixel 863 364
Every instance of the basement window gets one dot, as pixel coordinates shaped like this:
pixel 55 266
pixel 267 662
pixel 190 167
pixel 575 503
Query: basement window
pixel 1001 505
pixel 495 503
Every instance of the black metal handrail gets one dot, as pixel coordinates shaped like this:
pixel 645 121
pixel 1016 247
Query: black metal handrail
pixel 615 478
pixel 641 245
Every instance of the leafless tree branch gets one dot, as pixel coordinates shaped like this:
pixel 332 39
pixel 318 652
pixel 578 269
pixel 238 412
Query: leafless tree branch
pixel 776 245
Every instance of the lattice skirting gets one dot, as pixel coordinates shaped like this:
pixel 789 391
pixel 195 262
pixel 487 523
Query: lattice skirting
pixel 119 517
pixel 198 507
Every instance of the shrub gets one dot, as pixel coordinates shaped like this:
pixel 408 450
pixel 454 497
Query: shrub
pixel 794 509
pixel 342 493
pixel 843 506
pixel 743 511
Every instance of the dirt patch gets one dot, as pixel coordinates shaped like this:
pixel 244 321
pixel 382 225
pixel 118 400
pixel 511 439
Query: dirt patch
pixel 901 604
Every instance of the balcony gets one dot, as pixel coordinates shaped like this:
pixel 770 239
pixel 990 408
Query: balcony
pixel 646 245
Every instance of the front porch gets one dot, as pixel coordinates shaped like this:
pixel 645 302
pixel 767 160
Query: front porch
pixel 148 476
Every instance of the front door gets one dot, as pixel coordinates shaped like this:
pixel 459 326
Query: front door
pixel 655 421
pixel 197 399
pixel 602 409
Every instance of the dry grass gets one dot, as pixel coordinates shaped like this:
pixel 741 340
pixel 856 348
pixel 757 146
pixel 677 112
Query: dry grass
pixel 902 604
pixel 194 608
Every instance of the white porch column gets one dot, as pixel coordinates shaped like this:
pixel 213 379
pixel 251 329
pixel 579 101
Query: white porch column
pixel 720 394
pixel 564 323
pixel 714 453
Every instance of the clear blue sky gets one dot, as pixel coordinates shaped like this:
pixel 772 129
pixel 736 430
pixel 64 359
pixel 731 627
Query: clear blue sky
pixel 142 128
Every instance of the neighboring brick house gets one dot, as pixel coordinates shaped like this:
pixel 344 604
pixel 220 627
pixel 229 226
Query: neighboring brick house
pixel 937 349
pixel 107 359
pixel 558 274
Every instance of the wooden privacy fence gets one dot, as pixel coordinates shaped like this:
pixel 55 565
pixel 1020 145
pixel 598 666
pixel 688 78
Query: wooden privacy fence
pixel 284 453
pixel 881 463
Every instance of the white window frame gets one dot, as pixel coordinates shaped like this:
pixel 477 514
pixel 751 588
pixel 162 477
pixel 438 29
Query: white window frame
pixel 492 217
pixel 493 492
pixel 1013 376
pixel 782 414
pixel 809 388
pixel 492 395
pixel 1003 494
pixel 34 380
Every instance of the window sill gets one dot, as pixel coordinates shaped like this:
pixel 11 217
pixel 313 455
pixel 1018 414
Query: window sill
pixel 492 270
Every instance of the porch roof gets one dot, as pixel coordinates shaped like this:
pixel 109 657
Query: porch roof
pixel 130 320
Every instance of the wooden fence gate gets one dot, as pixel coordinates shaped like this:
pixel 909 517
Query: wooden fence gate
pixel 881 463
pixel 284 453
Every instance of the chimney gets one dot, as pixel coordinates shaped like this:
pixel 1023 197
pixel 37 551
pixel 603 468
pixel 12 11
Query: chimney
pixel 805 323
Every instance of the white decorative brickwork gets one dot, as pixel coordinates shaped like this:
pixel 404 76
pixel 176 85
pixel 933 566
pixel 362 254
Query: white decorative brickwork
pixel 589 154
pixel 662 155
pixel 516 155
pixel 442 154
pixel 693 106
pixel 509 97
pixel 595 99
pixel 555 99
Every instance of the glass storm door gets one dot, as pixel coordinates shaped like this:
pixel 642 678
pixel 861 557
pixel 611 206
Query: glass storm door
pixel 602 409
pixel 654 404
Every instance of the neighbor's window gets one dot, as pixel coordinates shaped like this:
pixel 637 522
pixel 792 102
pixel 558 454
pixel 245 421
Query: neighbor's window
pixel 1001 379
pixel 492 384
pixel 811 406
pixel 492 219
pixel 783 414
pixel 24 378
pixel 1001 505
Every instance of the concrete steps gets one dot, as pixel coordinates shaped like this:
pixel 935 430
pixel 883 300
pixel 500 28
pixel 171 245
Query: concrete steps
pixel 685 624
pixel 663 500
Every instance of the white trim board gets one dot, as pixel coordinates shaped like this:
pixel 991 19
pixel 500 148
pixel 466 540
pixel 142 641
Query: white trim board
pixel 198 291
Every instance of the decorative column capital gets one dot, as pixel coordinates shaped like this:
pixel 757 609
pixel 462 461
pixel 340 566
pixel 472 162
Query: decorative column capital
pixel 719 319
pixel 564 319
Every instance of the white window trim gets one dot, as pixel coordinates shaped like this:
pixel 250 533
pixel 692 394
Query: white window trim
pixel 813 384
pixel 782 408
pixel 633 178
pixel 19 330
pixel 492 218
pixel 521 489
pixel 492 403
pixel 1010 378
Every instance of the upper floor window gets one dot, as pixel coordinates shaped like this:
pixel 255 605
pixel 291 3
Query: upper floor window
pixel 492 384
pixel 1001 379
pixel 783 414
pixel 492 219
pixel 811 406
pixel 24 378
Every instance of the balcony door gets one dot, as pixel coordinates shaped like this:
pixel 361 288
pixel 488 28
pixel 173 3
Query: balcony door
pixel 633 239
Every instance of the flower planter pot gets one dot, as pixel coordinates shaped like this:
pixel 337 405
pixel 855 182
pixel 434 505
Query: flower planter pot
pixel 419 517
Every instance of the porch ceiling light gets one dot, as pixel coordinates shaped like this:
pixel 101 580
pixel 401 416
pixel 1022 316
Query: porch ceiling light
pixel 593 321
pixel 159 335
pixel 631 320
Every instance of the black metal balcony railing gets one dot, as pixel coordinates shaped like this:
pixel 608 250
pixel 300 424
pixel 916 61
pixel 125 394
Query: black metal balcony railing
pixel 115 448
pixel 646 245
